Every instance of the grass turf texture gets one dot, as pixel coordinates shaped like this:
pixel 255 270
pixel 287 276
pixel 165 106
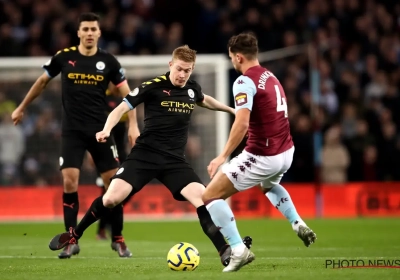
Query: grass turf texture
pixel 24 252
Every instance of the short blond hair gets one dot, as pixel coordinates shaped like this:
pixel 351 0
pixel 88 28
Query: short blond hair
pixel 185 54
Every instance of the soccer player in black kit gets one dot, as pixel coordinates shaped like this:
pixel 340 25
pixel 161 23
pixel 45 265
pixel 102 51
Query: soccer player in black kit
pixel 169 101
pixel 86 72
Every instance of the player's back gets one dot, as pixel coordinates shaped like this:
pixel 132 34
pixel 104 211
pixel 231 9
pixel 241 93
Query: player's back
pixel 269 129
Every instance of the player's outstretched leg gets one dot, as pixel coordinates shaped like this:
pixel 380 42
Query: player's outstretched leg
pixel 116 193
pixel 216 237
pixel 282 201
pixel 116 217
pixel 193 193
pixel 214 197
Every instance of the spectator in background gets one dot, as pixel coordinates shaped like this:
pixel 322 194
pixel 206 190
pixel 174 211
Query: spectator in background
pixel 335 157
pixel 12 147
pixel 359 58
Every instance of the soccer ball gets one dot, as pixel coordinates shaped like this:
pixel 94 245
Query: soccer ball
pixel 183 257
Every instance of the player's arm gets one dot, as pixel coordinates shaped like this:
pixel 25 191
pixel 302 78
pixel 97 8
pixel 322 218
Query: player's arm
pixel 132 99
pixel 52 68
pixel 238 131
pixel 114 117
pixel 36 89
pixel 119 80
pixel 124 91
pixel 133 128
pixel 213 104
pixel 244 91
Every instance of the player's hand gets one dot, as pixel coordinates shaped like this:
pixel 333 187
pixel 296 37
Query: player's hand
pixel 102 136
pixel 214 165
pixel 17 116
pixel 133 134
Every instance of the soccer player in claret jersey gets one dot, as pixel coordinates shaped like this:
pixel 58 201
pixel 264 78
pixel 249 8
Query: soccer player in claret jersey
pixel 169 101
pixel 86 72
pixel 261 111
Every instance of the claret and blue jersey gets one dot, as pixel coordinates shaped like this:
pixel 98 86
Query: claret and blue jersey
pixel 259 91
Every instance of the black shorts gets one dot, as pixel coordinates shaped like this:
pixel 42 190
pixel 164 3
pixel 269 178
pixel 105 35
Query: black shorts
pixel 119 133
pixel 75 143
pixel 142 166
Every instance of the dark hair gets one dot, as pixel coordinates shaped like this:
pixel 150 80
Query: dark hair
pixel 88 17
pixel 244 43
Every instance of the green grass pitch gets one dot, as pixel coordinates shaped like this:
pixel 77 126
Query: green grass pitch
pixel 24 252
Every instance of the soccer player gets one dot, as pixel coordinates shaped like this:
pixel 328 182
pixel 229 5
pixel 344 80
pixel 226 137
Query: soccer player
pixel 86 72
pixel 169 101
pixel 113 99
pixel 261 110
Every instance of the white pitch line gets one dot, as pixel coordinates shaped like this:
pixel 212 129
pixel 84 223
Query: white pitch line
pixel 160 258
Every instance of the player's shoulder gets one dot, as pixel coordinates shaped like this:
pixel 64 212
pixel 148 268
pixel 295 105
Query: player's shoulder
pixel 67 52
pixel 244 81
pixel 155 82
pixel 258 73
pixel 193 84
pixel 105 54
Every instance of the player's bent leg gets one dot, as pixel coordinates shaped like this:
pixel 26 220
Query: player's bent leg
pixel 214 197
pixel 104 222
pixel 193 193
pixel 117 192
pixel 281 200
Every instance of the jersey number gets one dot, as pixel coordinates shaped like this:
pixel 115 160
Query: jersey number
pixel 281 105
pixel 114 151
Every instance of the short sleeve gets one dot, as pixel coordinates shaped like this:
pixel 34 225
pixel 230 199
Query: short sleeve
pixel 136 96
pixel 244 91
pixel 117 73
pixel 53 67
pixel 200 94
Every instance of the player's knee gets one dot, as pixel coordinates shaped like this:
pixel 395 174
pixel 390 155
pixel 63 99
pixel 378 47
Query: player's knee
pixel 207 197
pixel 70 184
pixel 193 193
pixel 106 177
pixel 110 201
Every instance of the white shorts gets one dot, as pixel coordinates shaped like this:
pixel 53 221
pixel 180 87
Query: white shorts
pixel 247 170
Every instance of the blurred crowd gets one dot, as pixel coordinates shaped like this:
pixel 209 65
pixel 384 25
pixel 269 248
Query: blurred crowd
pixel 358 46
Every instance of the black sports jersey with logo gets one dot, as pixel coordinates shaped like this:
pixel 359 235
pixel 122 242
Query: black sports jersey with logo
pixel 84 81
pixel 167 110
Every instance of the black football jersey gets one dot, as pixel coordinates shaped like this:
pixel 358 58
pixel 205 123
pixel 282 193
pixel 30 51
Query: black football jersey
pixel 84 81
pixel 113 101
pixel 167 110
